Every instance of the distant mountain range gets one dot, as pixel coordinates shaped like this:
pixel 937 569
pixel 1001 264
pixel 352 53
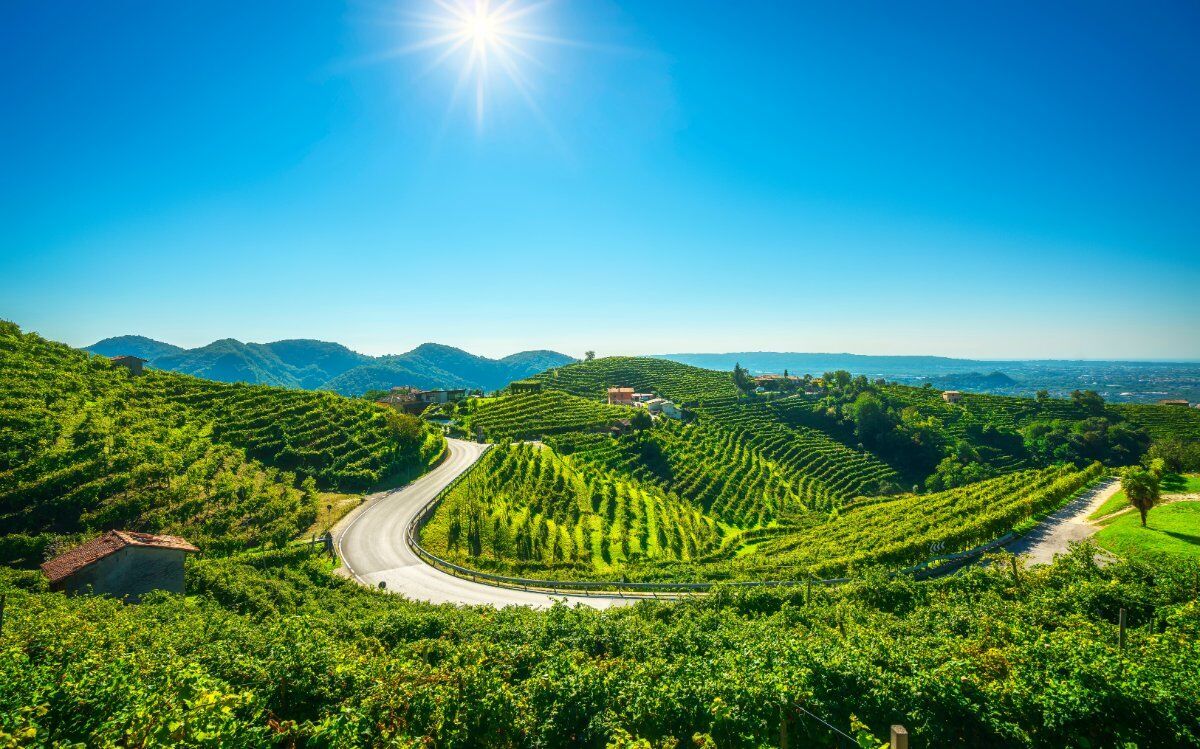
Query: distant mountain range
pixel 313 365
pixel 1121 381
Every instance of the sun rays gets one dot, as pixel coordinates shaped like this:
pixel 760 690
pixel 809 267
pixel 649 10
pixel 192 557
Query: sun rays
pixel 489 44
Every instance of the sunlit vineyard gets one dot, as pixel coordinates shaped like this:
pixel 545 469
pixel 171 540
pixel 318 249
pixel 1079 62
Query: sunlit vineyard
pixel 738 465
pixel 833 471
pixel 86 446
pixel 1164 421
pixel 672 380
pixel 525 509
pixel 898 531
pixel 530 512
pixel 533 415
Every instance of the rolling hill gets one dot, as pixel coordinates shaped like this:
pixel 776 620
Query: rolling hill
pixel 321 365
pixel 86 447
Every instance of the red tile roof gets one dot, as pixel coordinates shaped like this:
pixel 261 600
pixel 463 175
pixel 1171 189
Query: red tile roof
pixel 126 357
pixel 67 564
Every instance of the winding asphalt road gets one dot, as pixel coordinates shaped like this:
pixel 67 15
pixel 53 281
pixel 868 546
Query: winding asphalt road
pixel 370 543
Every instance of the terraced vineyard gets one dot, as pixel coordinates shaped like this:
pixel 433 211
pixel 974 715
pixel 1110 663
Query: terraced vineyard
pixel 342 443
pixel 738 465
pixel 833 472
pixel 769 487
pixel 525 510
pixel 86 446
pixel 903 530
pixel 532 415
pixel 1164 421
pixel 677 382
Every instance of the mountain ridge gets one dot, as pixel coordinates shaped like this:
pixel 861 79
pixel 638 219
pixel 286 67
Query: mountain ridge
pixel 312 364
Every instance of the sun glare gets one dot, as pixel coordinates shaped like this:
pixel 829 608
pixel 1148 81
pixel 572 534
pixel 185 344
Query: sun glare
pixel 487 41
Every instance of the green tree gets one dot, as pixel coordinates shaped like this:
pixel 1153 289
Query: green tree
pixel 741 378
pixel 589 355
pixel 641 419
pixel 1089 400
pixel 872 422
pixel 1142 489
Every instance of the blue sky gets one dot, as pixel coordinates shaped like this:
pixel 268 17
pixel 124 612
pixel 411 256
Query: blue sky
pixel 967 179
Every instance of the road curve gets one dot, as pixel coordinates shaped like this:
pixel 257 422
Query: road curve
pixel 370 543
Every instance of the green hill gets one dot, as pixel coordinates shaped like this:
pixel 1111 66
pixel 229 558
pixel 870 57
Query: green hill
pixel 312 365
pixel 87 447
pixel 680 382
pixel 134 345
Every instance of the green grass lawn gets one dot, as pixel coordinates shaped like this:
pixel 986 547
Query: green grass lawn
pixel 1171 484
pixel 1116 502
pixel 1172 529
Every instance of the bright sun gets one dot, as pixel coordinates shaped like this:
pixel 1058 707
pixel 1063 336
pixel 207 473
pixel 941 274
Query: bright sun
pixel 482 27
pixel 482 37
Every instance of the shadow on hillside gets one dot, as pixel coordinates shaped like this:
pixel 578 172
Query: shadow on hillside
pixel 1188 538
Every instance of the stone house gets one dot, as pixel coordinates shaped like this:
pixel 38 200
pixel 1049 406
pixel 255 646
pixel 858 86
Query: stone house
pixel 133 363
pixel 122 564
pixel 952 396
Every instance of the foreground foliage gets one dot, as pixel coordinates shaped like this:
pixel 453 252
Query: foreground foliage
pixel 273 650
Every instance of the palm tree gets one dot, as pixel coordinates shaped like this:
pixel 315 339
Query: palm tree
pixel 1141 488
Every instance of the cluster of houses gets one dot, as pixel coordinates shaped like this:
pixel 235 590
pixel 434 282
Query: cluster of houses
pixel 414 401
pixel 625 396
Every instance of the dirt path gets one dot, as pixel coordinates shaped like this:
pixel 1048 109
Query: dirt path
pixel 1166 499
pixel 1054 534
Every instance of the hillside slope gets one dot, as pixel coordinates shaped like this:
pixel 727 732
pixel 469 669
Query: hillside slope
pixel 88 447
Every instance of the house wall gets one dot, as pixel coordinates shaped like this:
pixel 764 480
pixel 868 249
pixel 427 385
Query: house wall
pixel 131 572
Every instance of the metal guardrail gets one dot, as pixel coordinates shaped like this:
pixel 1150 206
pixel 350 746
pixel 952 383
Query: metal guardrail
pixel 930 568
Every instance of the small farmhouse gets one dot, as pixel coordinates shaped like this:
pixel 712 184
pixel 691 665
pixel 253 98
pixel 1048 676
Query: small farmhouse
pixel 441 396
pixel 620 396
pixel 123 564
pixel 671 411
pixel 620 426
pixel 952 396
pixel 1173 402
pixel 133 363
pixel 642 397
